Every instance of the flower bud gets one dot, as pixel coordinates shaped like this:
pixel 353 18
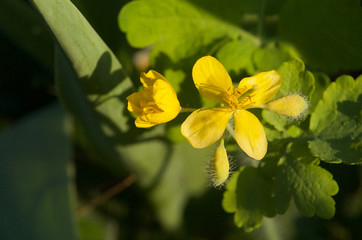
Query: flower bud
pixel 293 106
pixel 219 165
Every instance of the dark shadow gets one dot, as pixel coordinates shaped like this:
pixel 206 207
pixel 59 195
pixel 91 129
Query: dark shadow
pixel 96 83
pixel 105 134
pixel 351 108
pixel 346 224
pixel 189 97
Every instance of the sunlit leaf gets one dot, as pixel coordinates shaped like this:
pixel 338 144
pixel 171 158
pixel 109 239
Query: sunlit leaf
pixel 321 82
pixel 236 55
pixel 270 57
pixel 336 121
pixel 180 28
pixel 93 87
pixel 295 79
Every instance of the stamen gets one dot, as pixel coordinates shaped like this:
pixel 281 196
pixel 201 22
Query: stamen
pixel 247 95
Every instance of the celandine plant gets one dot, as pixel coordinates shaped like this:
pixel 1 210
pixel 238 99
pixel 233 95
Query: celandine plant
pixel 321 121
pixel 274 42
pixel 158 103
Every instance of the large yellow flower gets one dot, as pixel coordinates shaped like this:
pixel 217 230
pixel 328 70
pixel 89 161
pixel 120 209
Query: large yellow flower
pixel 156 104
pixel 206 125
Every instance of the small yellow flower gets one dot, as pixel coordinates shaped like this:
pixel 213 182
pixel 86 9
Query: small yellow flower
pixel 205 126
pixel 156 104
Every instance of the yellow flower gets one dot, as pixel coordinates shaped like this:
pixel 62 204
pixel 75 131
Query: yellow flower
pixel 156 104
pixel 205 126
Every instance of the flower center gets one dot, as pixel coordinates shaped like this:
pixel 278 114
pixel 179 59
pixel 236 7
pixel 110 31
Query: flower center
pixel 242 97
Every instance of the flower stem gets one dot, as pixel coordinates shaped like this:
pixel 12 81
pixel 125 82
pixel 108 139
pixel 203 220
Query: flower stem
pixel 230 129
pixel 270 229
pixel 261 20
pixel 106 195
pixel 187 109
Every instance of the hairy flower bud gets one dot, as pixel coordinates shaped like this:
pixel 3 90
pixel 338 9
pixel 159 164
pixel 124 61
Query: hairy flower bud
pixel 293 106
pixel 219 165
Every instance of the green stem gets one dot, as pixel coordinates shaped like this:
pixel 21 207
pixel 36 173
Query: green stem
pixel 187 109
pixel 245 34
pixel 261 20
pixel 230 129
pixel 270 229
pixel 217 46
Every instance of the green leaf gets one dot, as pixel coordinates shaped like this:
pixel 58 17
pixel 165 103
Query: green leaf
pixel 93 226
pixel 249 196
pixel 278 121
pixel 310 186
pixel 101 76
pixel 172 173
pixel 321 83
pixel 295 79
pixel 93 87
pixel 176 77
pixel 236 55
pixel 270 57
pixel 337 150
pixel 345 88
pixel 271 133
pixel 336 122
pixel 36 178
pixel 327 33
pixel 180 29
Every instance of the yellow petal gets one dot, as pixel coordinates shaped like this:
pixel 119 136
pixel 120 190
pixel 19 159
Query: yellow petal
pixel 149 78
pixel 163 108
pixel 143 124
pixel 219 165
pixel 250 134
pixel 134 103
pixel 211 79
pixel 265 85
pixel 292 106
pixel 205 126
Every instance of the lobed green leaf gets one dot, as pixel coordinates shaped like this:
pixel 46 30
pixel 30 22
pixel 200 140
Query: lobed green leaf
pixel 310 186
pixel 336 122
pixel 180 29
pixel 236 55
pixel 270 57
pixel 249 196
pixel 295 79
